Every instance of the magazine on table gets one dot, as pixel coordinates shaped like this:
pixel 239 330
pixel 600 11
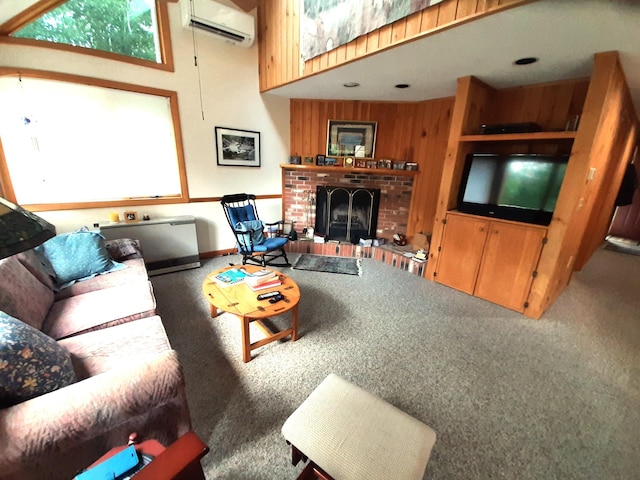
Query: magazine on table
pixel 230 277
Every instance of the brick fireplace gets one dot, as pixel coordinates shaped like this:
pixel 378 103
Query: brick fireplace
pixel 299 190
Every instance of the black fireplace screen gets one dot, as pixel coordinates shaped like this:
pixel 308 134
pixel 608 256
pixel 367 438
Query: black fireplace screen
pixel 347 214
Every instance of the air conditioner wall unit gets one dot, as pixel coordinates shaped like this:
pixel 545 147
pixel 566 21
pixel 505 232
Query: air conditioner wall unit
pixel 224 22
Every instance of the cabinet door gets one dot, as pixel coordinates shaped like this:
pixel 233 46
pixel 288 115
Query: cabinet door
pixel 510 256
pixel 461 250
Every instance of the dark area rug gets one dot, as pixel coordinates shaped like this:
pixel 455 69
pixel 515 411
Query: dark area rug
pixel 321 263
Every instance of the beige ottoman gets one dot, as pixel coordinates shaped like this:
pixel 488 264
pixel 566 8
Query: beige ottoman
pixel 351 435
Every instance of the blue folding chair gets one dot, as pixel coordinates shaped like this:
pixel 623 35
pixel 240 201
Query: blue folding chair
pixel 242 215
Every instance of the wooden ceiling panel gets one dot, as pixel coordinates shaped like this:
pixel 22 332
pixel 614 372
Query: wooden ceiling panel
pixel 246 5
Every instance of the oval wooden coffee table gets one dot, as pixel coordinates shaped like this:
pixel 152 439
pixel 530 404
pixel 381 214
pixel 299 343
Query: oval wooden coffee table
pixel 242 302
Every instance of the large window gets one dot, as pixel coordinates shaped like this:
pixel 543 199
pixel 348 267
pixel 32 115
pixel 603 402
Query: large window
pixel 136 30
pixel 67 143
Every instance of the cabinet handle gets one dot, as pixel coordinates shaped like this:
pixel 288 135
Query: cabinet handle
pixel 496 231
pixel 482 229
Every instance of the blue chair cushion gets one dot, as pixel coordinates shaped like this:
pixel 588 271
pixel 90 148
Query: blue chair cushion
pixel 241 214
pixel 270 244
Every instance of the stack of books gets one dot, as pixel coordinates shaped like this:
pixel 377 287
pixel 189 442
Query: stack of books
pixel 262 279
pixel 230 277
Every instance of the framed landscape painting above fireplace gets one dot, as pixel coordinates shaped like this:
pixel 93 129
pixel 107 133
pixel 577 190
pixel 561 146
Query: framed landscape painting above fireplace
pixel 346 138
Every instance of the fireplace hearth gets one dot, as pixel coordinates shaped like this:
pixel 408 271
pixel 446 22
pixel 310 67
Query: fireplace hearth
pixel 346 214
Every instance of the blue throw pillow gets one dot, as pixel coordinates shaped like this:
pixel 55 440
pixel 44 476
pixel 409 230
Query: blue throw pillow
pixel 31 363
pixel 78 256
pixel 255 229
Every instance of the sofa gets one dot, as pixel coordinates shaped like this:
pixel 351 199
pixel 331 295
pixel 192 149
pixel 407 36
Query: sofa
pixel 84 362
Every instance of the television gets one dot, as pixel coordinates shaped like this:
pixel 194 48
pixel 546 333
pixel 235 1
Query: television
pixel 519 187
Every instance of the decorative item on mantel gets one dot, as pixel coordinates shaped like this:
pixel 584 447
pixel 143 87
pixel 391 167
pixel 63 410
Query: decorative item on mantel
pixel 384 163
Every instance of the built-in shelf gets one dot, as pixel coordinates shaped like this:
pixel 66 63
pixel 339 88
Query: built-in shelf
pixel 336 169
pixel 505 137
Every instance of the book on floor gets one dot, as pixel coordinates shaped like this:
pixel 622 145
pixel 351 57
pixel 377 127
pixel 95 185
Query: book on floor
pixel 230 277
pixel 263 286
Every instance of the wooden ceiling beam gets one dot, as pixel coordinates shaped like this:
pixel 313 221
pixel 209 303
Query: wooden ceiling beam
pixel 246 5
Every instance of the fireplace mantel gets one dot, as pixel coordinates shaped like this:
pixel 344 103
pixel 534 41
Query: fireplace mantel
pixel 336 169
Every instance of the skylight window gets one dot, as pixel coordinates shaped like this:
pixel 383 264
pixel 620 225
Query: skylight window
pixel 125 27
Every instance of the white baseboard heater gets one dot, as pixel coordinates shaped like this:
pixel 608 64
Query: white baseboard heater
pixel 168 244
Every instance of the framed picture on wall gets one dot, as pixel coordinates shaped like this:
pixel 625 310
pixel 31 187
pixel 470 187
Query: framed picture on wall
pixel 345 139
pixel 237 148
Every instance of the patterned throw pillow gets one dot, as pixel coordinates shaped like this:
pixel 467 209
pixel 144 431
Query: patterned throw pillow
pixel 123 248
pixel 78 256
pixel 31 363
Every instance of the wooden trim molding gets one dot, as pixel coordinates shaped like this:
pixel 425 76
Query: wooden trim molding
pixel 337 169
pixel 97 82
pixel 29 15
pixel 217 199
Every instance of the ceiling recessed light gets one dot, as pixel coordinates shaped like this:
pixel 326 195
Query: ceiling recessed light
pixel 351 84
pixel 525 61
pixel 402 85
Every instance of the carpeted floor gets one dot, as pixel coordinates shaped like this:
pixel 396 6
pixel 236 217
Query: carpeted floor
pixel 509 397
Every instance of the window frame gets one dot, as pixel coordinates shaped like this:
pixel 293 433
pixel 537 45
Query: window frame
pixel 43 6
pixel 6 184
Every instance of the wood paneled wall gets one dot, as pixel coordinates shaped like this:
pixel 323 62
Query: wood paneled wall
pixel 610 154
pixel 279 36
pixel 584 204
pixel 413 132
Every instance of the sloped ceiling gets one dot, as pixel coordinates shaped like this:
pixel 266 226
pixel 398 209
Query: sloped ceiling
pixel 563 34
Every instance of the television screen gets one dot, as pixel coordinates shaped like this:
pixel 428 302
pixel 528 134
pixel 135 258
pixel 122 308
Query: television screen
pixel 520 187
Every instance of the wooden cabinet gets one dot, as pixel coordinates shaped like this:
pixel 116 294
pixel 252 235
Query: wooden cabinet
pixel 491 259
pixel 461 251
pixel 509 259
pixel 599 150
